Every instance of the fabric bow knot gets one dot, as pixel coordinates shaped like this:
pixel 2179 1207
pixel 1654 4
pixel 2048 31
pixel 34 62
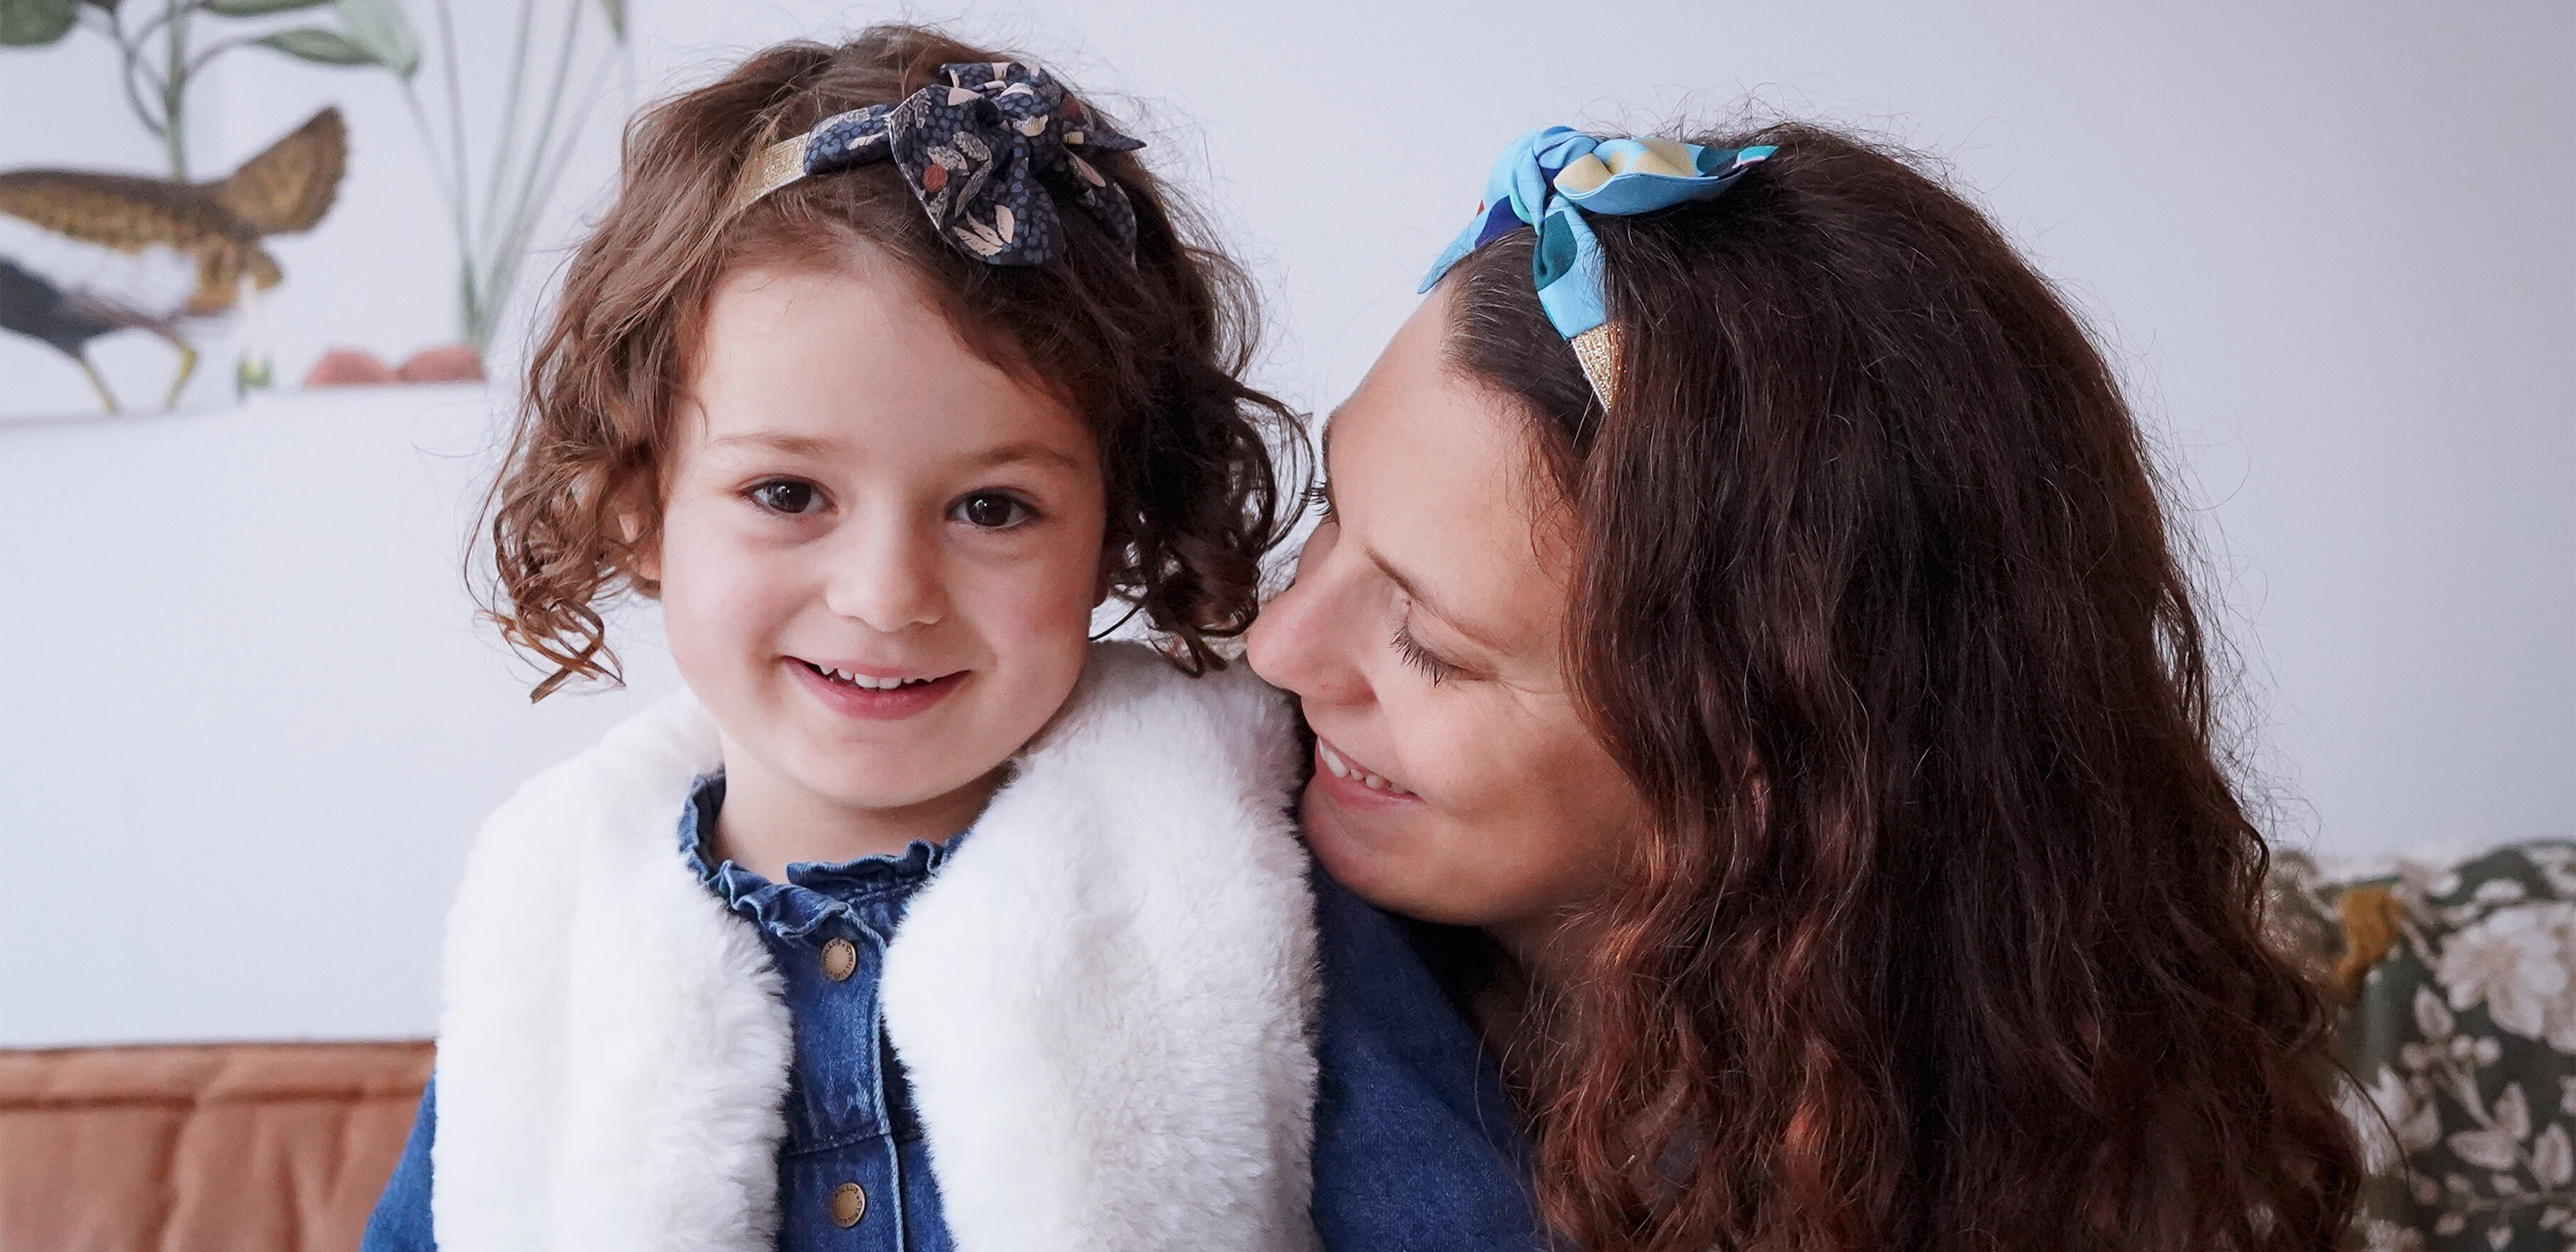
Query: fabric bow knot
pixel 988 153
pixel 1551 179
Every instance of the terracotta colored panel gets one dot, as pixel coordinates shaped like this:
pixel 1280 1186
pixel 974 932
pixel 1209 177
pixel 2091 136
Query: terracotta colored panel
pixel 212 1147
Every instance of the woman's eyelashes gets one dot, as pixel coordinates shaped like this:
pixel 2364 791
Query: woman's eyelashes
pixel 1320 498
pixel 1419 657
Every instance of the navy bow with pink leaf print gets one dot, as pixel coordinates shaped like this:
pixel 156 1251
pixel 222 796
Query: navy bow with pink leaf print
pixel 989 151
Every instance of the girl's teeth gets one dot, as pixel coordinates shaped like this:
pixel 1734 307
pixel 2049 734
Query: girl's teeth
pixel 872 684
pixel 1333 762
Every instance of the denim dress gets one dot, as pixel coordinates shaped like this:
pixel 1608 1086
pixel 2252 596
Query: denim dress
pixel 853 1170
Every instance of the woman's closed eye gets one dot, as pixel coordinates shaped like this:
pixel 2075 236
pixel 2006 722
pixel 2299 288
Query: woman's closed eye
pixel 789 496
pixel 1320 498
pixel 992 510
pixel 1421 658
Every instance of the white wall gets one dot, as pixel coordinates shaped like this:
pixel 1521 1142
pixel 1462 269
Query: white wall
pixel 246 723
pixel 250 720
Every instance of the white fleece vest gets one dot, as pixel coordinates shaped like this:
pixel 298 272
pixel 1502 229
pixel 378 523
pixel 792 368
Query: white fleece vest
pixel 1103 998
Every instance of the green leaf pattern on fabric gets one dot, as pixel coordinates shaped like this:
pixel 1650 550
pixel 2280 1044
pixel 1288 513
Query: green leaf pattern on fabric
pixel 2462 1041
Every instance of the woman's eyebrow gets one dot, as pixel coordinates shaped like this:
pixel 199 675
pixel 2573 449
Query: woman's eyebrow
pixel 1422 599
pixel 1411 588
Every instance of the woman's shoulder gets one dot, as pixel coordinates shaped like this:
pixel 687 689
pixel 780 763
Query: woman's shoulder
pixel 1416 1142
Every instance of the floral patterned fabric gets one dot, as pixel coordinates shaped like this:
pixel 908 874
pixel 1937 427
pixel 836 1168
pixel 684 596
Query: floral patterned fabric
pixel 2460 977
pixel 988 151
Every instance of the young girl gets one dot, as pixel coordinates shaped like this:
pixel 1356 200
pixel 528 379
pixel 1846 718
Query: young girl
pixel 919 922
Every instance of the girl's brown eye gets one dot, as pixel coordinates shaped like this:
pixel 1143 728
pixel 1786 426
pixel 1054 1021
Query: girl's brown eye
pixel 785 495
pixel 991 510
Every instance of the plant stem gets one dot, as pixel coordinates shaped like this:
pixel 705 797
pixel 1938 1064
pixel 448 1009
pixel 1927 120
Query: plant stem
pixel 523 211
pixel 132 56
pixel 468 298
pixel 546 126
pixel 169 12
pixel 509 120
pixel 174 89
pixel 448 188
pixel 455 107
pixel 515 246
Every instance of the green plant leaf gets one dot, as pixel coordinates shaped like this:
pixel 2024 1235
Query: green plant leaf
pixel 322 47
pixel 35 23
pixel 260 8
pixel 380 27
pixel 616 11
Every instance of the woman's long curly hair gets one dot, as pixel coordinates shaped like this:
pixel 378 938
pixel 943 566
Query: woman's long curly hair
pixel 1148 350
pixel 1947 934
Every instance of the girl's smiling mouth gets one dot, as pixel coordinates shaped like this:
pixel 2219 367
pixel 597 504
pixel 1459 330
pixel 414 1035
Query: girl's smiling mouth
pixel 878 695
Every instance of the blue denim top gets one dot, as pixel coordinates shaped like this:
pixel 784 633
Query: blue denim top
pixel 1417 1145
pixel 853 1171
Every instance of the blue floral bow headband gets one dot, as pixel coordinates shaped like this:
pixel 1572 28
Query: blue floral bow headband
pixel 1551 179
pixel 988 152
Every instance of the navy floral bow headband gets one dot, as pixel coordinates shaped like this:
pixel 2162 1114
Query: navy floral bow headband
pixel 989 152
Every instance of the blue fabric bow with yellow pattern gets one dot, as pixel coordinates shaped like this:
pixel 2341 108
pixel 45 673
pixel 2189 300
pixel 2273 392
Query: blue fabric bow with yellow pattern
pixel 1551 179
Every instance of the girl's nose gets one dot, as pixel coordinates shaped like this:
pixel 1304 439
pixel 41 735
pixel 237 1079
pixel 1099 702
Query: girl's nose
pixel 890 578
pixel 1302 641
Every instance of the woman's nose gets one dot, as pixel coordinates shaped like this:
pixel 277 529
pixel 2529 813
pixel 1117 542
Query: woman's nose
pixel 1298 643
pixel 889 577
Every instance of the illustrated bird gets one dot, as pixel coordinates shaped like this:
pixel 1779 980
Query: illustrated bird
pixel 83 254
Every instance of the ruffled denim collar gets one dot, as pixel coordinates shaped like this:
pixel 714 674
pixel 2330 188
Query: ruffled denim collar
pixel 815 892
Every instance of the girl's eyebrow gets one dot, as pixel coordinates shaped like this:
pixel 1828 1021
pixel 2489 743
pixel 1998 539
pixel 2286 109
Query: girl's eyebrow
pixel 1023 452
pixel 777 441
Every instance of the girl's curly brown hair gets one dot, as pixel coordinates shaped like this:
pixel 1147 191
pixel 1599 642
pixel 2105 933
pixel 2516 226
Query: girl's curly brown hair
pixel 1147 350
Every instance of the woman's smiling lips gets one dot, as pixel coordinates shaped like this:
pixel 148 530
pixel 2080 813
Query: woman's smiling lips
pixel 878 695
pixel 1348 782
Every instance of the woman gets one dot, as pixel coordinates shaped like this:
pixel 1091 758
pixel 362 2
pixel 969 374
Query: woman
pixel 1810 716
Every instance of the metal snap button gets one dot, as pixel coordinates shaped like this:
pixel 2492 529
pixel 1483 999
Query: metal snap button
pixel 849 1204
pixel 840 959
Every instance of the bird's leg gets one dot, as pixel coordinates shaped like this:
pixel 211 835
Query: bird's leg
pixel 105 396
pixel 187 368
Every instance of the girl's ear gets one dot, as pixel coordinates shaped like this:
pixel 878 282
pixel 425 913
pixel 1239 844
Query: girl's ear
pixel 640 543
pixel 644 560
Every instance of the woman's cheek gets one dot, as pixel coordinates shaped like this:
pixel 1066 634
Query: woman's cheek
pixel 1466 766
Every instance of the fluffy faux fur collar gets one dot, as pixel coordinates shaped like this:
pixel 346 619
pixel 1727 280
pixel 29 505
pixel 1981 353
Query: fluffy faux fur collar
pixel 1104 998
